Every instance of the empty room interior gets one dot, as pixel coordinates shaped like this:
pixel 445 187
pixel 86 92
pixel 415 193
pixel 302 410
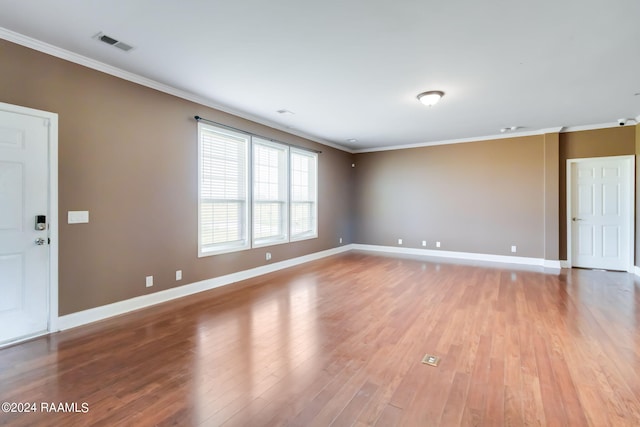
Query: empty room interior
pixel 346 214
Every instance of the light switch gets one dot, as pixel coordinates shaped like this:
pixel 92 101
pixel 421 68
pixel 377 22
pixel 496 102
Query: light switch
pixel 77 217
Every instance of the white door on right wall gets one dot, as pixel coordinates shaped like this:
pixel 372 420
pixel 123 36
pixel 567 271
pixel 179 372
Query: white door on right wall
pixel 601 213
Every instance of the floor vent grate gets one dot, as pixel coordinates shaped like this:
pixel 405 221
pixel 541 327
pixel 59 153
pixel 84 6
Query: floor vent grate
pixel 431 360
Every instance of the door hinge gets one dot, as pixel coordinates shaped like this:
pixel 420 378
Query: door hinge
pixel 46 123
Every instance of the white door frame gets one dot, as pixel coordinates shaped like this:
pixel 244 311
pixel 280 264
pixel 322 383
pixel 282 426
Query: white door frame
pixel 632 163
pixel 52 325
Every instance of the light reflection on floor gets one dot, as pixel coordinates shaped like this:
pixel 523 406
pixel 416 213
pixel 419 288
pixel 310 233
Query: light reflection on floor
pixel 276 334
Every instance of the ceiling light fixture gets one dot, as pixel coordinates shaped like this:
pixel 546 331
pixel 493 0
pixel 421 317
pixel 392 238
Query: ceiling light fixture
pixel 431 97
pixel 352 140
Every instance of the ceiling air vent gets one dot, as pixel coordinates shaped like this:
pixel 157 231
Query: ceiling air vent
pixel 113 42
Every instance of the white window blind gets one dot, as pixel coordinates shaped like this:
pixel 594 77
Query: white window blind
pixel 223 190
pixel 304 194
pixel 270 192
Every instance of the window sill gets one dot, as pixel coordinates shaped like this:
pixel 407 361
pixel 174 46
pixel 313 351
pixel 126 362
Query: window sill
pixel 220 251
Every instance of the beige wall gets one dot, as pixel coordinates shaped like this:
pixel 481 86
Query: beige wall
pixel 618 141
pixel 551 196
pixel 441 193
pixel 128 155
pixel 479 197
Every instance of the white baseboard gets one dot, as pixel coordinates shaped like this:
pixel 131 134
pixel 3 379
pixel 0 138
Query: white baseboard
pixel 633 269
pixel 23 339
pixel 553 264
pixel 503 259
pixel 99 313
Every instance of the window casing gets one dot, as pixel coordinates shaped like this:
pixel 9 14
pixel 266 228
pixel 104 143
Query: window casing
pixel 253 192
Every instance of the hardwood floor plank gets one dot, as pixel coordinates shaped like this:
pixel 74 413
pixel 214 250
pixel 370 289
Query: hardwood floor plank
pixel 390 417
pixel 494 401
pixel 350 413
pixel 513 411
pixel 550 390
pixel 451 414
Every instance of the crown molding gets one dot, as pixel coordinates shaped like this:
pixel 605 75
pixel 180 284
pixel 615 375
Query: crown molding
pixel 449 142
pixel 67 55
pixel 559 129
pixel 570 129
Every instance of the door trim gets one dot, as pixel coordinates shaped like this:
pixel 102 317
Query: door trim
pixel 52 324
pixel 631 159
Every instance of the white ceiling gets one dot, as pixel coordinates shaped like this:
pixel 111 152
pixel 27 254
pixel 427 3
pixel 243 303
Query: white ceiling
pixel 352 68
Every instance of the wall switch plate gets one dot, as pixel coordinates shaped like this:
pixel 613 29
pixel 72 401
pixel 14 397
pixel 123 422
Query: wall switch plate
pixel 268 256
pixel 399 241
pixel 178 274
pixel 341 240
pixel 424 243
pixel 513 249
pixel 437 244
pixel 77 217
pixel 149 281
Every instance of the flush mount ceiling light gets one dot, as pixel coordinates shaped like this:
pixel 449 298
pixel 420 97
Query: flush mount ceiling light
pixel 431 97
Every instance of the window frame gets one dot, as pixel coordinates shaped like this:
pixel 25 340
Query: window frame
pixel 283 174
pixel 237 245
pixel 247 220
pixel 313 179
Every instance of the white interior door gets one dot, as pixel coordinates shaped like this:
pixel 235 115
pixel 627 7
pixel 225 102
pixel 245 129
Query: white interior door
pixel 601 213
pixel 24 249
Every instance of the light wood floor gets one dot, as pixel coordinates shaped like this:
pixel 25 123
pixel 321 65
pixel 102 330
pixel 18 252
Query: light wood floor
pixel 340 341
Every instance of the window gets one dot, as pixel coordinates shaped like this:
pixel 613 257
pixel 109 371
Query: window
pixel 223 190
pixel 273 201
pixel 269 192
pixel 304 198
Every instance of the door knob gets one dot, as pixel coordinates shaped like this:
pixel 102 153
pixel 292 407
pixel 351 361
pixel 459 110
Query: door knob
pixel 577 219
pixel 40 241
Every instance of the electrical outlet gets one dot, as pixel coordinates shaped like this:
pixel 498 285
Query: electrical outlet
pixel 178 274
pixel 514 249
pixel 424 243
pixel 437 244
pixel 268 256
pixel 149 281
pixel 399 241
